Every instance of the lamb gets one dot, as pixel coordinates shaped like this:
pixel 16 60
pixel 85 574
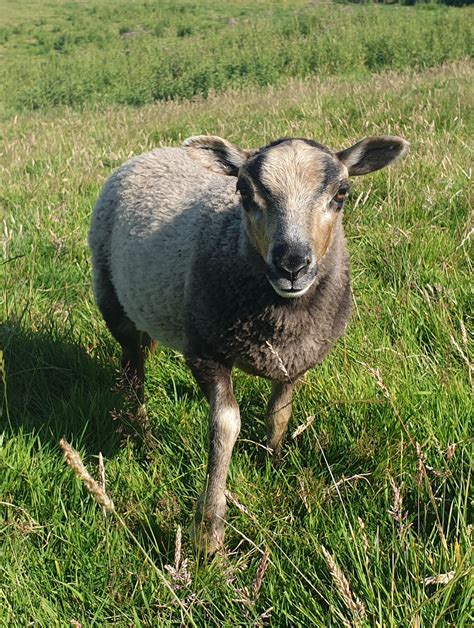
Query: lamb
pixel 235 258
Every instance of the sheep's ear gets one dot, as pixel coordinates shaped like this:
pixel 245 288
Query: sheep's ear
pixel 373 153
pixel 216 154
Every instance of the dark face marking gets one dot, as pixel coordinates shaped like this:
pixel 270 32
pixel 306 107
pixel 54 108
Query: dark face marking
pixel 331 173
pixel 253 170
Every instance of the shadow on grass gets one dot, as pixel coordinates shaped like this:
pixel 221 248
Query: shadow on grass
pixel 55 388
pixel 159 540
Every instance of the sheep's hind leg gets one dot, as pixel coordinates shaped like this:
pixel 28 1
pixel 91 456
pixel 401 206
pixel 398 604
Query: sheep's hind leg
pixel 134 345
pixel 224 427
pixel 278 415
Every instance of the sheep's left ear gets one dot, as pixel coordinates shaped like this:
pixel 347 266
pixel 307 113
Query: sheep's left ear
pixel 216 154
pixel 373 153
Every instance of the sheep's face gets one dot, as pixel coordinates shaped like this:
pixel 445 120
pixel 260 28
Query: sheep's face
pixel 292 192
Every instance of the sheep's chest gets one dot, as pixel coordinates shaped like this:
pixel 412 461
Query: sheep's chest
pixel 282 350
pixel 279 339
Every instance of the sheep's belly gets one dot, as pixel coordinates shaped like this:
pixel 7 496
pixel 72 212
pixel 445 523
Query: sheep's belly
pixel 157 312
pixel 152 298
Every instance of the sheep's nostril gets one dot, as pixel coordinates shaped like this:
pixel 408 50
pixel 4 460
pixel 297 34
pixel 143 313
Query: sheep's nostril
pixel 293 265
pixel 292 260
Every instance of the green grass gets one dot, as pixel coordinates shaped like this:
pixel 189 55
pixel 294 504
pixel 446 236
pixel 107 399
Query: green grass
pixel 408 230
pixel 65 53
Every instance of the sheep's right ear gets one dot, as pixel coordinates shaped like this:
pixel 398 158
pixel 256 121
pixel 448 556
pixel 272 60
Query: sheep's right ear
pixel 373 153
pixel 216 154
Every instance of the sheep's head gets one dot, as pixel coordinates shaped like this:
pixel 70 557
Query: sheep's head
pixel 293 192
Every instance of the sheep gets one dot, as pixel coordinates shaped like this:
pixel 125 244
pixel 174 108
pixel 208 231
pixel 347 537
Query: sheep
pixel 233 257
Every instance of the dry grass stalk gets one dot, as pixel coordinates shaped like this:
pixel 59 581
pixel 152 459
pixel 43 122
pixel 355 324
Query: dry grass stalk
pixel 177 548
pixel 238 505
pixel 264 616
pixel 450 451
pixel 397 502
pixel 355 606
pixel 281 366
pixel 396 511
pixel 441 578
pixel 464 335
pixel 365 540
pixel 248 596
pixel 464 356
pixel 32 523
pixel 420 464
pixel 132 422
pixel 102 478
pixel 73 460
pixel 303 493
pixel 353 478
pixel 304 426
pixel 465 239
pixel 261 569
pixel 101 471
pixel 253 442
pixel 416 622
pixel 179 571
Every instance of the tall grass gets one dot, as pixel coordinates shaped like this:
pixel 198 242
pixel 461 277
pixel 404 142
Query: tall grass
pixel 139 52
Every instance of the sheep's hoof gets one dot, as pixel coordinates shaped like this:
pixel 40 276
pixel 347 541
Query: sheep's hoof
pixel 207 535
pixel 275 454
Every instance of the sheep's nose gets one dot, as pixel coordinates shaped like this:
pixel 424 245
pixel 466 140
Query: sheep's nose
pixel 292 260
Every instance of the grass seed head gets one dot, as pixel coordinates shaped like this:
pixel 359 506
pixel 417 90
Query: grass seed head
pixel 261 569
pixel 441 578
pixel 73 460
pixel 356 606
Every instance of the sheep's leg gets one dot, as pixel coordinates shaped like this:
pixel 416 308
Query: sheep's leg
pixel 278 415
pixel 224 426
pixel 133 342
pixel 135 348
pixel 134 345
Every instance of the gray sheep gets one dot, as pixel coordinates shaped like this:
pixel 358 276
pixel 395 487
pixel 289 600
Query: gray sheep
pixel 235 258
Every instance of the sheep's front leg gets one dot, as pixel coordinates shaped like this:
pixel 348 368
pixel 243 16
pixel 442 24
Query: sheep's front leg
pixel 278 415
pixel 224 427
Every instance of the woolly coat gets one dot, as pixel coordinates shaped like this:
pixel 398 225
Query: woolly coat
pixel 170 236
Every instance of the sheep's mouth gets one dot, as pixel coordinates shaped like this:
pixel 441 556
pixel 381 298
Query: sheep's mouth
pixel 291 290
pixel 291 285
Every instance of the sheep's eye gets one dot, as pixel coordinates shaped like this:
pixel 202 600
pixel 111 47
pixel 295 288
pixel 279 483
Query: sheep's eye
pixel 339 198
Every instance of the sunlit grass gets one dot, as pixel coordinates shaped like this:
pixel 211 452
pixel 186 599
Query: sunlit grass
pixel 381 478
pixel 134 52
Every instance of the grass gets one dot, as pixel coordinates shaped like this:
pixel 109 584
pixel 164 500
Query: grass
pixel 64 53
pixel 373 498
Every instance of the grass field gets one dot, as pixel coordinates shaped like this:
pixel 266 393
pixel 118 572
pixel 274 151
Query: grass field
pixel 135 52
pixel 377 489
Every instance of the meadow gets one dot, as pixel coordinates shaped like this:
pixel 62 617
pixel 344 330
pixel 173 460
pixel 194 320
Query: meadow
pixel 70 53
pixel 368 521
